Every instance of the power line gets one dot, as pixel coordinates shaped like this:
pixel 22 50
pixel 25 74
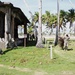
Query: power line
pixel 25 2
pixel 72 3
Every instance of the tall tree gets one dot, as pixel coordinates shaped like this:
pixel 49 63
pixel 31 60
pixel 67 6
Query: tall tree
pixel 71 17
pixel 39 41
pixel 36 17
pixel 49 19
pixel 36 20
pixel 63 19
pixel 57 27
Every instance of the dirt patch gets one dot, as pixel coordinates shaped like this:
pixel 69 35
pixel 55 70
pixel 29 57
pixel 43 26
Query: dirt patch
pixel 16 68
pixel 67 73
pixel 24 70
pixel 20 69
pixel 40 73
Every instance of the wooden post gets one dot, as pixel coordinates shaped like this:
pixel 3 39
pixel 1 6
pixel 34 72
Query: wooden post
pixel 24 42
pixel 12 27
pixel 7 25
pixel 25 36
pixel 6 29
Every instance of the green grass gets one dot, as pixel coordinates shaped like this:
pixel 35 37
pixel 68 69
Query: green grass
pixel 36 61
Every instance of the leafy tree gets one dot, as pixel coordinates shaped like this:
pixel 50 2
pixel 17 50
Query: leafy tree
pixel 61 22
pixel 36 17
pixel 49 19
pixel 63 19
pixel 39 41
pixel 71 17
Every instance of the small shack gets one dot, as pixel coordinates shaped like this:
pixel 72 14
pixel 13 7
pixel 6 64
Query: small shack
pixel 10 18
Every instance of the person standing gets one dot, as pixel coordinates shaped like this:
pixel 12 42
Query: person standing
pixel 66 39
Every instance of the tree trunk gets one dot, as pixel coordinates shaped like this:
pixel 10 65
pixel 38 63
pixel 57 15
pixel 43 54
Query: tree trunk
pixel 57 27
pixel 39 41
pixel 74 29
pixel 56 38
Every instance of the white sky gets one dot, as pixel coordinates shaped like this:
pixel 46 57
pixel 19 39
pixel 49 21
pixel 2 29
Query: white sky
pixel 50 5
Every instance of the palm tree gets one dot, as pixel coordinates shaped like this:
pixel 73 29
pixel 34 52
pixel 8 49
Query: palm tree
pixel 71 17
pixel 36 17
pixel 39 41
pixel 63 19
pixel 36 20
pixel 46 19
pixel 53 21
pixel 57 27
pixel 49 19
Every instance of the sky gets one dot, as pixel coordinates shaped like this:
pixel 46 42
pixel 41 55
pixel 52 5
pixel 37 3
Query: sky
pixel 49 5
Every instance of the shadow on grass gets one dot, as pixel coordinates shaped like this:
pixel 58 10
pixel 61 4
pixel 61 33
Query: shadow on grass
pixel 31 43
pixel 9 49
pixel 69 49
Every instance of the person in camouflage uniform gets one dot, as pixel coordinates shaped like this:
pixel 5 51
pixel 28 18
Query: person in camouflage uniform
pixel 66 39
